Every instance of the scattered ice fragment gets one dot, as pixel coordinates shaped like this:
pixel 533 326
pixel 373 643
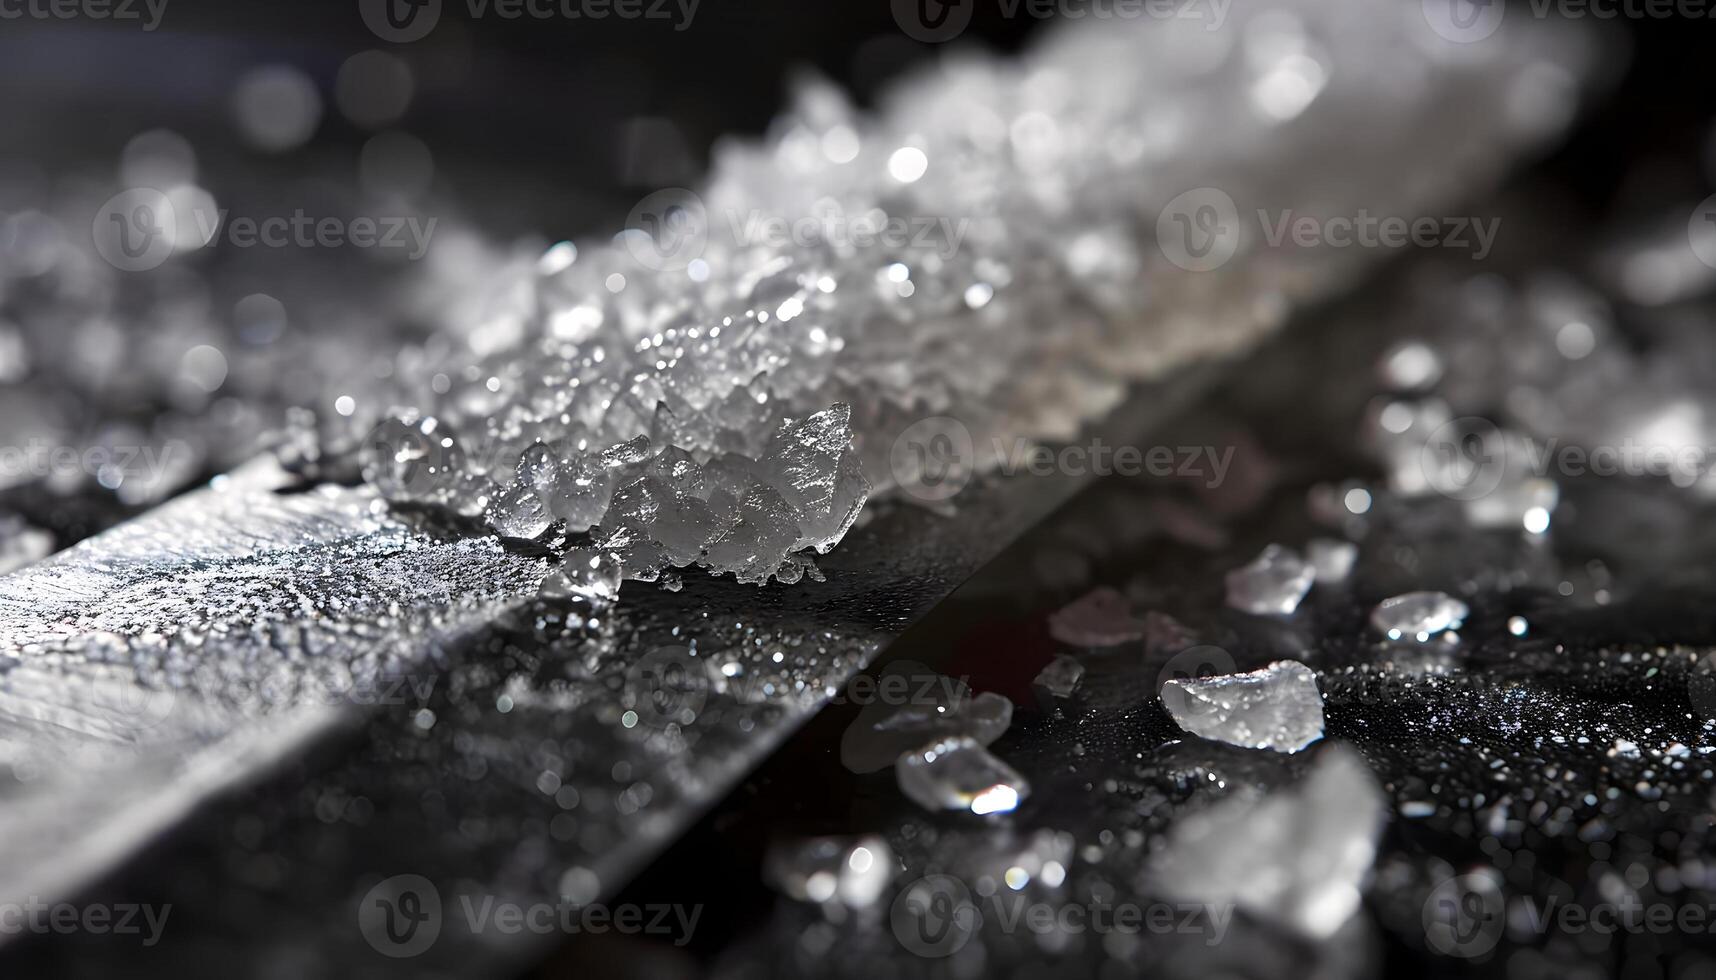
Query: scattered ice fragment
pixel 1056 682
pixel 1273 584
pixel 1296 857
pixel 849 871
pixel 911 705
pixel 584 574
pixel 1278 707
pixel 1418 615
pixel 959 774
pixel 1165 634
pixel 1102 618
pixel 1332 559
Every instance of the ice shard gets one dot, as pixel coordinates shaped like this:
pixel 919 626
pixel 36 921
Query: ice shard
pixel 1296 857
pixel 911 705
pixel 1273 584
pixel 960 774
pixel 1278 707
pixel 1418 615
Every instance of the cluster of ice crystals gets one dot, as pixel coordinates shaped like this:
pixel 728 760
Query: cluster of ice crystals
pixel 1273 584
pixel 993 256
pixel 1418 615
pixel 1278 707
pixel 960 774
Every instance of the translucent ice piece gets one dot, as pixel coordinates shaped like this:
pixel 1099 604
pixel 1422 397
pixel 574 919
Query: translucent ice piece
pixel 581 492
pixel 811 464
pixel 850 871
pixel 585 574
pixel 1102 618
pixel 1056 682
pixel 1296 857
pixel 911 705
pixel 756 544
pixel 1331 559
pixel 517 512
pixel 412 459
pixel 1418 615
pixel 1273 584
pixel 960 774
pixel 1278 707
